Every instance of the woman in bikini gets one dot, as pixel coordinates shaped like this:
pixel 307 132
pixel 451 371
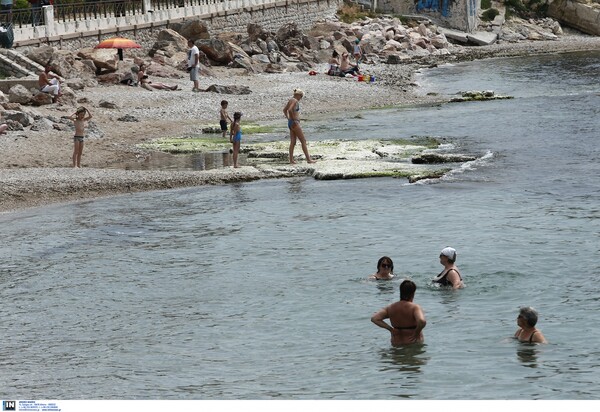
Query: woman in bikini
pixel 385 269
pixel 292 113
pixel 527 332
pixel 450 276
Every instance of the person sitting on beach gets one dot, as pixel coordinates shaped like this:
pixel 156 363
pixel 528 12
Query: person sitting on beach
pixel 407 318
pixel 385 269
pixel 450 276
pixel 49 83
pixel 527 332
pixel 3 128
pixel 334 64
pixel 346 67
pixel 148 85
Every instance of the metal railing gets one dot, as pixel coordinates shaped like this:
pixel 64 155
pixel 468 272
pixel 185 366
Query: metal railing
pixel 97 9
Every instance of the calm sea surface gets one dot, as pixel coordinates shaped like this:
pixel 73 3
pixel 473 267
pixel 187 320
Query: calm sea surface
pixel 257 290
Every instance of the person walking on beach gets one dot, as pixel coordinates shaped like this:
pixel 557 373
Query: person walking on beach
pixel 235 137
pixel 407 318
pixel 527 332
pixel 450 276
pixel 193 65
pixel 357 52
pixel 79 118
pixel 224 117
pixel 292 114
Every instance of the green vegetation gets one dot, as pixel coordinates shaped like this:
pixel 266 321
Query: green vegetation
pixel 489 14
pixel 195 145
pixel 426 141
pixel 486 4
pixel 349 13
pixel 526 8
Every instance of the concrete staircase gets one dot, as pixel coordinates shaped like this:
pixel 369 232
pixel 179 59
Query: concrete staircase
pixel 14 64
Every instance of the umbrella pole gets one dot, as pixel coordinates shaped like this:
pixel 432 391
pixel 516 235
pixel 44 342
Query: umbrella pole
pixel 120 53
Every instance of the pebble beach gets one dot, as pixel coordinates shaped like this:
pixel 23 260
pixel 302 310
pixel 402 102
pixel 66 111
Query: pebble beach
pixel 35 166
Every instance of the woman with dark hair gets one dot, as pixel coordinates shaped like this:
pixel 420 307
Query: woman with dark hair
pixel 385 269
pixel 527 332
pixel 450 276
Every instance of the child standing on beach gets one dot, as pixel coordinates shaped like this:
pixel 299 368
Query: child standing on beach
pixel 235 137
pixel 79 118
pixel 224 116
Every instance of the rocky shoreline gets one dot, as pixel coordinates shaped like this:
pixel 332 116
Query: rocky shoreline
pixel 34 168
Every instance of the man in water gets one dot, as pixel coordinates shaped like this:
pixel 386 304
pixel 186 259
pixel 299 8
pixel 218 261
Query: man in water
pixel 406 317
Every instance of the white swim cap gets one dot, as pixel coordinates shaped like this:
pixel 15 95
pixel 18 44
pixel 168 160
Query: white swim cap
pixel 450 253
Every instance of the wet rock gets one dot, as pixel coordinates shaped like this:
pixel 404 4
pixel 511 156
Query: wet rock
pixel 436 158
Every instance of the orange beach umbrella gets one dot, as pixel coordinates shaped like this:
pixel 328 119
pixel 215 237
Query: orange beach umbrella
pixel 118 43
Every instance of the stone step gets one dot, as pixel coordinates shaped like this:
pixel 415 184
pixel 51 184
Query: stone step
pixel 22 60
pixel 13 68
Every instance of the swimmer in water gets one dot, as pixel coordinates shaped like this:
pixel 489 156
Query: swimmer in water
pixel 385 270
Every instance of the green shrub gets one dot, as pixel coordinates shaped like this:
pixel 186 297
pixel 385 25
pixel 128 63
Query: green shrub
pixel 486 4
pixel 349 13
pixel 489 14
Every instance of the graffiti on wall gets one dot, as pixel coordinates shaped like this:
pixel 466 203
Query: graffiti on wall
pixel 441 6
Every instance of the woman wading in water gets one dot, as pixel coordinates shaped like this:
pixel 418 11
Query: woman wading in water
pixel 292 113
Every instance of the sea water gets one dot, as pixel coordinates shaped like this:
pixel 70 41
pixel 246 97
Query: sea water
pixel 258 291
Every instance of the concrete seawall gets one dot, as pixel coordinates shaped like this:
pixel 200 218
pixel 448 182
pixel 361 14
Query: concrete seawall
pixel 221 16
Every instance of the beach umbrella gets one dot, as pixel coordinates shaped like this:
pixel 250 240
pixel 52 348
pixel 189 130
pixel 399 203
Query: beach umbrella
pixel 118 43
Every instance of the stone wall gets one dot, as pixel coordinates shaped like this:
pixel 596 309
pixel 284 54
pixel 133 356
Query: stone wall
pixel 455 14
pixel 270 14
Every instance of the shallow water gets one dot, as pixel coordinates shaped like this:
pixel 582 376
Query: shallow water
pixel 257 290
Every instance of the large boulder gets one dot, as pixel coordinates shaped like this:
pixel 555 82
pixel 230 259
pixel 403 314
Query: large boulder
pixel 193 30
pixel 20 117
pixel 41 99
pixel 41 55
pixel 170 43
pixel 255 32
pixel 216 50
pixel 105 60
pixel 582 15
pixel 19 94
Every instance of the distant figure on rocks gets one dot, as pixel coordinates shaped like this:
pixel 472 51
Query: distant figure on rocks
pixel 79 118
pixel 407 318
pixel 292 114
pixel 3 128
pixel 48 83
pixel 527 332
pixel 357 52
pixel 450 276
pixel 334 64
pixel 235 137
pixel 193 65
pixel 385 269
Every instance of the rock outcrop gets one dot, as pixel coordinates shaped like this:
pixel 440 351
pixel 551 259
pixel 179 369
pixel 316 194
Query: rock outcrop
pixel 583 15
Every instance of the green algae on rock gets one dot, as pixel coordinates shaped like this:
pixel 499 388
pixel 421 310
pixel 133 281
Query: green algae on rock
pixel 478 96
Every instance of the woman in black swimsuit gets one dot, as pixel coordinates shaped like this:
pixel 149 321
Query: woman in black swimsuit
pixel 527 332
pixel 450 276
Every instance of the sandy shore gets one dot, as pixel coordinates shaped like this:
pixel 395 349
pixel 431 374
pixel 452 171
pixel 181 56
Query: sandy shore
pixel 34 166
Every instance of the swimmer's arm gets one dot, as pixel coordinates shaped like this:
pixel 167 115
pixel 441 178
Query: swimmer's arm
pixel 539 338
pixel 378 318
pixel 454 279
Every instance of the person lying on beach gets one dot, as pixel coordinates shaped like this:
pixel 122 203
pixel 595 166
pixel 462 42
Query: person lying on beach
pixel 450 276
pixel 527 332
pixel 407 318
pixel 385 269
pixel 148 85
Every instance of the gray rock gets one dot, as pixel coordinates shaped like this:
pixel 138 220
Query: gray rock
pixel 42 124
pixel 215 88
pixel 128 118
pixel 107 105
pixel 41 99
pixel 19 94
pixel 19 117
pixel 435 158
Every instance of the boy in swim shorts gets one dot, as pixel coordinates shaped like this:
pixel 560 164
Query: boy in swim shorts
pixel 224 117
pixel 79 118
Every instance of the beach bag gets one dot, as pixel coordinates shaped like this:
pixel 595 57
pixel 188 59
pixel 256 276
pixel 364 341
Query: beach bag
pixel 7 35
